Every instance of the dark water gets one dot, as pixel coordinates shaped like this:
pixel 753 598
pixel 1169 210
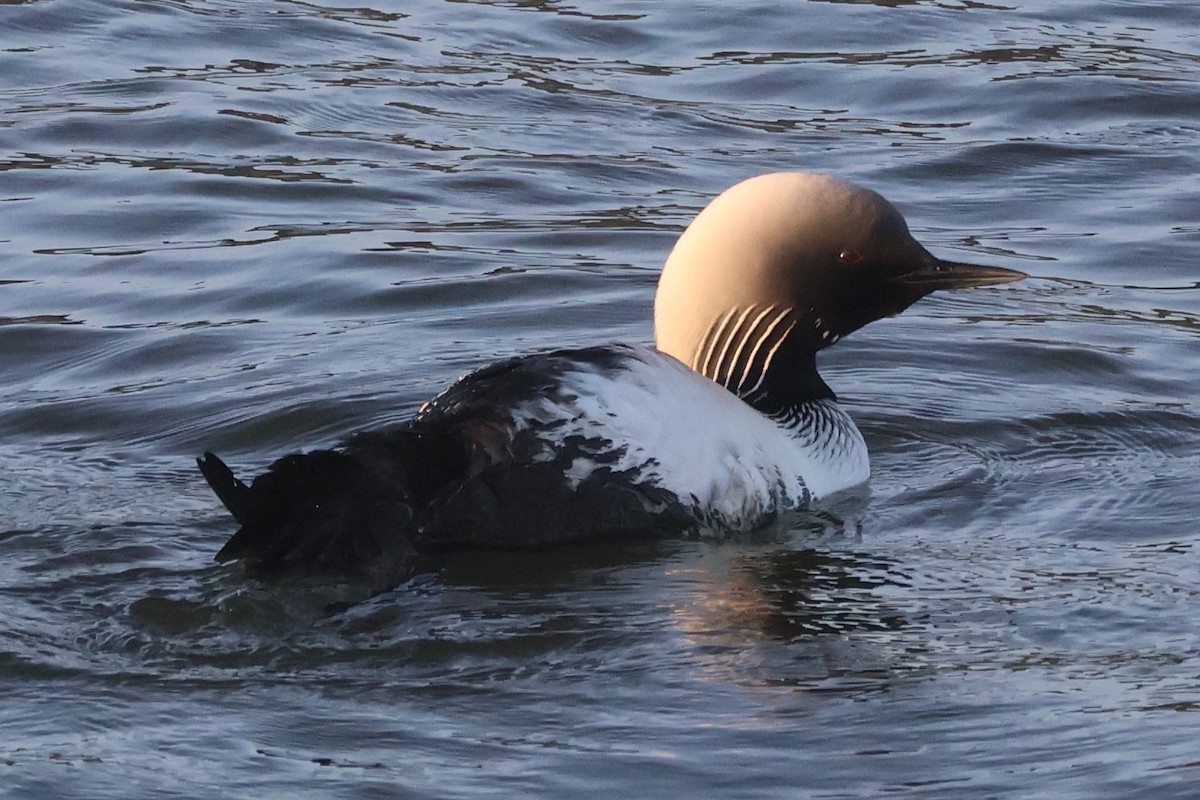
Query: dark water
pixel 255 226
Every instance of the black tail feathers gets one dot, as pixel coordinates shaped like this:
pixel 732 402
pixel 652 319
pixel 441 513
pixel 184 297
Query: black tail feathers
pixel 229 490
pixel 318 513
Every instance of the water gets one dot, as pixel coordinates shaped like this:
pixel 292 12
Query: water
pixel 255 226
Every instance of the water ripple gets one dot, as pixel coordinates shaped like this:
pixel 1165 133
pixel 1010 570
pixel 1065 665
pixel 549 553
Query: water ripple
pixel 258 226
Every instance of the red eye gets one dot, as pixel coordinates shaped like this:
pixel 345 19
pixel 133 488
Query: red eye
pixel 849 257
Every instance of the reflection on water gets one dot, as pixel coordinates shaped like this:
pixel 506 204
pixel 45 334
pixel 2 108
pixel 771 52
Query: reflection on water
pixel 255 227
pixel 798 618
pixel 794 594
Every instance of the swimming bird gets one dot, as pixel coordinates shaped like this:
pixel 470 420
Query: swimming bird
pixel 719 427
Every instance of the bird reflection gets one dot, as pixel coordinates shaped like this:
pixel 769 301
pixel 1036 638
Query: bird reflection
pixel 809 612
pixel 793 594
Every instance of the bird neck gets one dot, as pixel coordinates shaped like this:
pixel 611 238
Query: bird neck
pixel 790 382
pixel 765 355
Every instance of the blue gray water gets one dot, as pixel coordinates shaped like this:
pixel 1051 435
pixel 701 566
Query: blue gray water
pixel 253 226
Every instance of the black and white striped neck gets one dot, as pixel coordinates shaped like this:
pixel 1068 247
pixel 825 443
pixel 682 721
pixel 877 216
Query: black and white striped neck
pixel 766 355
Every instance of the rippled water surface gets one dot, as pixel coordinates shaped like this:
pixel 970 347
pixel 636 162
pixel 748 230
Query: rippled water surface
pixel 254 226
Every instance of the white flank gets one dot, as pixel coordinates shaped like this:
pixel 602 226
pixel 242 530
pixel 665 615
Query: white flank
pixel 686 434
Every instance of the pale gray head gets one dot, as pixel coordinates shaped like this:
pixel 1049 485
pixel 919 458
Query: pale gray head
pixel 783 265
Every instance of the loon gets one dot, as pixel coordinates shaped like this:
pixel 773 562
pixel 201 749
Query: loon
pixel 719 427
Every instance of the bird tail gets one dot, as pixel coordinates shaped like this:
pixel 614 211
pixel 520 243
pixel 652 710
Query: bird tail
pixel 317 513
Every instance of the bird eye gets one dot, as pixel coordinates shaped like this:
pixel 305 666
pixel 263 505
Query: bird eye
pixel 849 257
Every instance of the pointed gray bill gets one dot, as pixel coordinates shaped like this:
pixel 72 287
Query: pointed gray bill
pixel 938 274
